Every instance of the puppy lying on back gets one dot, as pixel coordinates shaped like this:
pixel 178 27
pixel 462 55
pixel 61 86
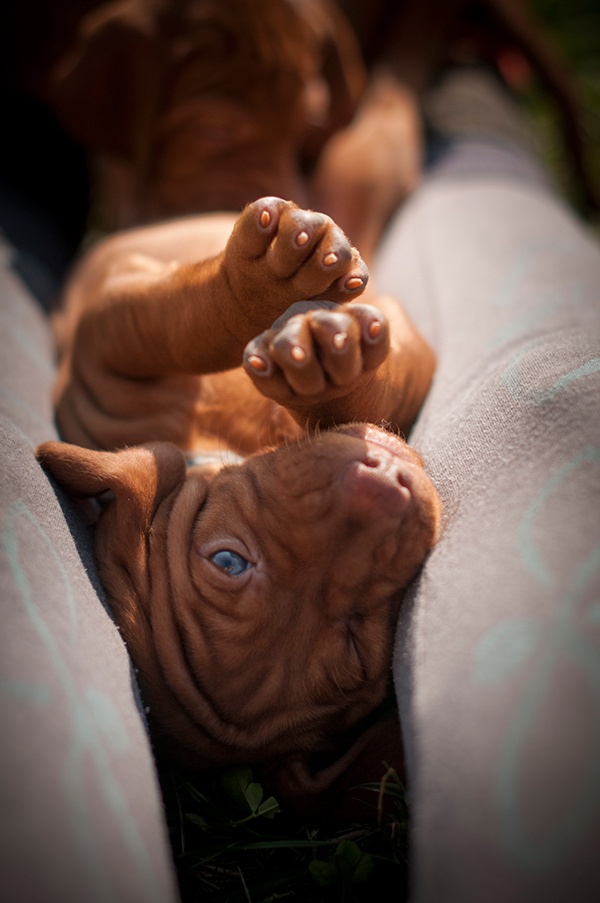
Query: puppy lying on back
pixel 258 599
pixel 257 589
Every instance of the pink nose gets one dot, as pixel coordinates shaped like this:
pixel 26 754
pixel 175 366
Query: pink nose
pixel 379 483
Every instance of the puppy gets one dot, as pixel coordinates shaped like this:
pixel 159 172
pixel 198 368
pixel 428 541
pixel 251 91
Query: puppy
pixel 258 599
pixel 258 589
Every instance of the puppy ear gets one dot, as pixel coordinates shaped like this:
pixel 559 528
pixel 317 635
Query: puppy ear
pixel 334 790
pixel 341 80
pixel 138 471
pixel 343 70
pixel 105 92
pixel 103 88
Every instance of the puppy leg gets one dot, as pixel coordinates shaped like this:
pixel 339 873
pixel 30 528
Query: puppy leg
pixel 354 362
pixel 196 318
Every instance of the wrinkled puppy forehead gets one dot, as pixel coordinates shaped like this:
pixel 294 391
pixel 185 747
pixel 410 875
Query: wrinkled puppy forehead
pixel 277 510
pixel 336 485
pixel 279 486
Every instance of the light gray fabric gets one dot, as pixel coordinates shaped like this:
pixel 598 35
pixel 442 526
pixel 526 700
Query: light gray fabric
pixel 80 812
pixel 472 100
pixel 497 662
pixel 498 652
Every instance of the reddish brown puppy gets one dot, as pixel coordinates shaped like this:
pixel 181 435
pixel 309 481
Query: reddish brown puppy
pixel 260 605
pixel 258 599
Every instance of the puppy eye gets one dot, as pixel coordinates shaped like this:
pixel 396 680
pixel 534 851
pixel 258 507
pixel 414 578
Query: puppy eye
pixel 230 562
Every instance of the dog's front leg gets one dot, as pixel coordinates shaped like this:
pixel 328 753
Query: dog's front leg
pixel 195 318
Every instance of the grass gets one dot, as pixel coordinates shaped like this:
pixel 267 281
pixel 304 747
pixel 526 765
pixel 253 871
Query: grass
pixel 234 844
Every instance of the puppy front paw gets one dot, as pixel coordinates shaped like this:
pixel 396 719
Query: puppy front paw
pixel 279 254
pixel 312 358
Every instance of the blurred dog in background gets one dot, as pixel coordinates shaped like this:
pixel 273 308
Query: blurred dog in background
pixel 154 91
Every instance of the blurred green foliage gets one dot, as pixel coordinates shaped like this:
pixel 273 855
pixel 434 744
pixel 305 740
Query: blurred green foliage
pixel 233 843
pixel 574 28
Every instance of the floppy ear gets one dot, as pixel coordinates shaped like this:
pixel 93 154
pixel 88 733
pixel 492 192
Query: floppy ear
pixel 342 74
pixel 106 91
pixel 334 791
pixel 107 83
pixel 140 472
pixel 343 69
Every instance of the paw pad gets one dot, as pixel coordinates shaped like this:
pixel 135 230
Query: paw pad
pixel 298 354
pixel 257 363
pixel 353 283
pixel 374 330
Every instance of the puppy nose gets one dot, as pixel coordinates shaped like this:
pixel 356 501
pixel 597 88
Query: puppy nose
pixel 384 462
pixel 378 483
pixel 374 460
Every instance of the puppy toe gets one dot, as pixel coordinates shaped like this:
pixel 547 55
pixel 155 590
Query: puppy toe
pixel 257 226
pixel 374 331
pixel 256 360
pixel 337 337
pixel 297 240
pixel 294 352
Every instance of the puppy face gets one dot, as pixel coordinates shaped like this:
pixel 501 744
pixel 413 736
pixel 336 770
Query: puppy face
pixel 259 606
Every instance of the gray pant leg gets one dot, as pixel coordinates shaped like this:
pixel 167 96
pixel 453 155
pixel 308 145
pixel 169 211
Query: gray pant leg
pixel 497 663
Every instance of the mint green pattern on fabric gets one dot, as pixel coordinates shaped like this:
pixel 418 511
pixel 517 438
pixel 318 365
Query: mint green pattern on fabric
pixel 517 642
pixel 97 731
pixel 546 307
pixel 538 396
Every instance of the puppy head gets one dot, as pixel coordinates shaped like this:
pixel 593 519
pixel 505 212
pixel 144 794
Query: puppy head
pixel 259 606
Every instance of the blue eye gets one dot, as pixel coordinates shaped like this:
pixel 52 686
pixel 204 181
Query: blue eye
pixel 230 562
